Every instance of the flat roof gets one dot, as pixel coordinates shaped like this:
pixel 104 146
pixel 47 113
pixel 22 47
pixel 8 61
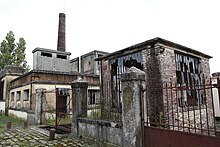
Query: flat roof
pixel 151 42
pixel 50 51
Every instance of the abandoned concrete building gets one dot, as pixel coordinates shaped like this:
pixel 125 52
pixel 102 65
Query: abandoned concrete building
pixel 150 88
pixel 167 66
pixel 86 63
pixel 153 84
pixel 53 72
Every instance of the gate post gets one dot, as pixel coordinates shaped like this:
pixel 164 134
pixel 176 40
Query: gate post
pixel 38 110
pixel 79 102
pixel 132 81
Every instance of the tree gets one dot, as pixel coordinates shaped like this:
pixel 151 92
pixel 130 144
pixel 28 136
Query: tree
pixel 12 53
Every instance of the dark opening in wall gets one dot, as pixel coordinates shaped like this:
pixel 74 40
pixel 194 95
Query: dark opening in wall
pixel 26 95
pixel 189 80
pixel 18 95
pixel 46 54
pixel 118 66
pixel 61 57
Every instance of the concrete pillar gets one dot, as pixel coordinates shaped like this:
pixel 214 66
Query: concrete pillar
pixel 38 113
pixel 79 102
pixel 132 81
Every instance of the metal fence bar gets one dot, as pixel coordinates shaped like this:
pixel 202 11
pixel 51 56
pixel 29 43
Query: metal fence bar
pixel 177 108
pixel 168 110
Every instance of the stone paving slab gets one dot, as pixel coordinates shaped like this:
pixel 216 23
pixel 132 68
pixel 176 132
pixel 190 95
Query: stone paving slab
pixel 36 137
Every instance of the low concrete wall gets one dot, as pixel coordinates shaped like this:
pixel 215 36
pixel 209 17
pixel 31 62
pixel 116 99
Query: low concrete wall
pixel 2 106
pixel 101 131
pixel 29 116
pixel 20 114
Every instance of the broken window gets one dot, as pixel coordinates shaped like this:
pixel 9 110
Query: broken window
pixel 118 66
pixel 188 80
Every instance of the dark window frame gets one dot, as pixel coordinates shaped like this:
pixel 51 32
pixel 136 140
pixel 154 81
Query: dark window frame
pixel 26 96
pixel 18 96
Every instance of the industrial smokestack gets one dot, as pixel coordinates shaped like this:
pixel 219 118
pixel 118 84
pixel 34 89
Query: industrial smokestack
pixel 61 43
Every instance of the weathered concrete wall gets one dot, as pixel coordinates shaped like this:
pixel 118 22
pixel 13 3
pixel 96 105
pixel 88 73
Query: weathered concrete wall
pixel 2 106
pixel 57 78
pixel 46 59
pixel 18 113
pixel 215 93
pixel 21 103
pixel 29 116
pixel 87 64
pixel 11 70
pixel 75 64
pixel 101 131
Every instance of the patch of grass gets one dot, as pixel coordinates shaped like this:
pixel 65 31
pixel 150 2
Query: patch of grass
pixel 95 114
pixel 60 120
pixel 217 123
pixel 16 122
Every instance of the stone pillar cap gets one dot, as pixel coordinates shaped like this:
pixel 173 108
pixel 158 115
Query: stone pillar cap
pixel 79 80
pixel 79 83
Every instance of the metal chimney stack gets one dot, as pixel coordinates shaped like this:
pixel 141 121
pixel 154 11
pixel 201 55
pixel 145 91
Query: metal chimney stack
pixel 61 42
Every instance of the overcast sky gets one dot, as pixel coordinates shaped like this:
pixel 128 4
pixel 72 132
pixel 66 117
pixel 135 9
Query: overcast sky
pixel 111 25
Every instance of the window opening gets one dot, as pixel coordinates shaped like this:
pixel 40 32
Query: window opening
pixel 12 96
pixel 61 57
pixel 119 66
pixel 18 95
pixel 46 54
pixel 188 80
pixel 26 95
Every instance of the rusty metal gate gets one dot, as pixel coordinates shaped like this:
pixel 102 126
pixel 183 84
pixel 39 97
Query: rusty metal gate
pixel 179 115
pixel 56 109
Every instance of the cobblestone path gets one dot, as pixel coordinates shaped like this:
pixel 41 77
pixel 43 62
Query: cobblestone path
pixel 37 138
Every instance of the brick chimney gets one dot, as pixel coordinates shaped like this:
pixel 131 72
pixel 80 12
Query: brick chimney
pixel 61 43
